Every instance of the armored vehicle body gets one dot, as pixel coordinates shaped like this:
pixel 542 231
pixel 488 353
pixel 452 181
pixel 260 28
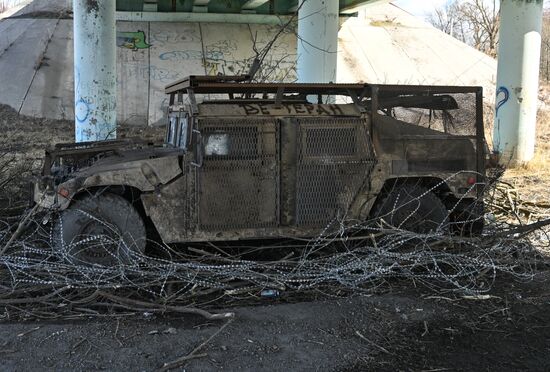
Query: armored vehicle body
pixel 248 160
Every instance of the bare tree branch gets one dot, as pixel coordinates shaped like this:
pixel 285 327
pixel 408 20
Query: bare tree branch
pixel 475 22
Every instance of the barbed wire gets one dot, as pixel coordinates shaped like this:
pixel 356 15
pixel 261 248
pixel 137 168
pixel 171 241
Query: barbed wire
pixel 41 276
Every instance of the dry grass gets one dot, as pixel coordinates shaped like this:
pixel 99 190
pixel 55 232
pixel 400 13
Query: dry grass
pixel 384 23
pixel 533 179
pixel 540 162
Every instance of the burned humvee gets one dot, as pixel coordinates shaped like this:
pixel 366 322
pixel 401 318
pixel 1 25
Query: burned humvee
pixel 268 160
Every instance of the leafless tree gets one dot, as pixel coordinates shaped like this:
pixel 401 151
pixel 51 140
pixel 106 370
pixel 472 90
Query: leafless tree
pixel 446 18
pixel 545 52
pixel 475 22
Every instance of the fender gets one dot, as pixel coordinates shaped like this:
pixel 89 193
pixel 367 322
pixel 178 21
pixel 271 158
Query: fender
pixel 145 175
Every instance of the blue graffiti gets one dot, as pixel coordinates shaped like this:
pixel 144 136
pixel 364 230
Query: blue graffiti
pixel 175 55
pixel 162 74
pixel 180 55
pixel 504 99
pixel 82 110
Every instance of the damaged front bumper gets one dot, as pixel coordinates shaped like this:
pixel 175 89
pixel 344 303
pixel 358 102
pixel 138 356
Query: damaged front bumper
pixel 49 196
pixel 44 195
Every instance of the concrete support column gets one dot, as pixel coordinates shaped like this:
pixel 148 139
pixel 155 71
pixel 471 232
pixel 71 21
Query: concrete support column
pixel 517 80
pixel 317 41
pixel 94 69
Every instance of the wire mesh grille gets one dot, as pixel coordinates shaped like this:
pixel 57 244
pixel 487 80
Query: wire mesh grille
pixel 335 159
pixel 238 181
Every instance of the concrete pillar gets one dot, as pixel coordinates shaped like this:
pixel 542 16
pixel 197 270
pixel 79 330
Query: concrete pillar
pixel 317 41
pixel 517 80
pixel 94 69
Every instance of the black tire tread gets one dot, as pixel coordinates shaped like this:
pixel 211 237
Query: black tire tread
pixel 385 204
pixel 113 204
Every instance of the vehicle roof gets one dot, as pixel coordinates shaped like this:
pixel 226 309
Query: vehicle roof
pixel 240 84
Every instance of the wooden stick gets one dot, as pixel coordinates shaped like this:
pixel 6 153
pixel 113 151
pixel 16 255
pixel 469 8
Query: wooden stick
pixel 19 229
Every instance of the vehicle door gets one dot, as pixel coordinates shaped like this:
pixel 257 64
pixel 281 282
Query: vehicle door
pixel 238 178
pixel 327 162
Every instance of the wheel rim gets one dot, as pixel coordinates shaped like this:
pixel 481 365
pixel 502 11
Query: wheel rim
pixel 97 243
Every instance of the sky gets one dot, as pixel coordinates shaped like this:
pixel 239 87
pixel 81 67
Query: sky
pixel 423 7
pixel 420 7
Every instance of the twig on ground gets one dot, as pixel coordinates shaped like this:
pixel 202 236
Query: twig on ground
pixel 28 331
pixel 426 331
pixel 193 354
pixel 372 343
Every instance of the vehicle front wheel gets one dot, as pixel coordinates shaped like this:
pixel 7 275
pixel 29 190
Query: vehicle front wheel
pixel 412 208
pixel 100 229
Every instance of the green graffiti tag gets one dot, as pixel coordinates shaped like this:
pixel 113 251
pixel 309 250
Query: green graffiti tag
pixel 131 40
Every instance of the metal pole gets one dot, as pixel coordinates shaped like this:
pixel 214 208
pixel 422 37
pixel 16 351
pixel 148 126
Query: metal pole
pixel 94 69
pixel 317 41
pixel 517 80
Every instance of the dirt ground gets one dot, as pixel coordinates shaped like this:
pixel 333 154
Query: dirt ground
pixel 401 327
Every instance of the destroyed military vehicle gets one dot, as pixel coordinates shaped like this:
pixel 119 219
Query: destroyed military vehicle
pixel 246 160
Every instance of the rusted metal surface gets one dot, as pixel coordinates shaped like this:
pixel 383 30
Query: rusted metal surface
pixel 334 159
pixel 265 162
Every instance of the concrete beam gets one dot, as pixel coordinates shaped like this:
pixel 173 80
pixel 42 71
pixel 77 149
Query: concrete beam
pixel 94 70
pixel 352 6
pixel 253 4
pixel 517 80
pixel 150 6
pixel 201 17
pixel 200 6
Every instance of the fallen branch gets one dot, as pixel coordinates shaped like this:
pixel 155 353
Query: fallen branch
pixel 176 309
pixel 20 228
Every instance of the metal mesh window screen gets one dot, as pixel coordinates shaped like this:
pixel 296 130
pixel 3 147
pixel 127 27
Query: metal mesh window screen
pixel 321 142
pixel 239 181
pixel 461 121
pixel 335 159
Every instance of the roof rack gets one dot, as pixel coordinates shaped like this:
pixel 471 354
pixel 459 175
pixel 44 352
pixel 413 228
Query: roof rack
pixel 279 92
pixel 241 85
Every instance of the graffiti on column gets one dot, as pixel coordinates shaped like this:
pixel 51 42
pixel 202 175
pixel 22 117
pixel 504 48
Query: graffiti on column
pixel 82 110
pixel 131 40
pixel 93 110
pixel 503 95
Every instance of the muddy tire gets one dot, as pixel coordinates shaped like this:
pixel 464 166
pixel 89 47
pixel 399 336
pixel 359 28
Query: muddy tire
pixel 412 208
pixel 100 229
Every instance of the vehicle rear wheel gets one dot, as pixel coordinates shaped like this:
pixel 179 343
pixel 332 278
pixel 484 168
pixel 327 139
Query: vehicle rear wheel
pixel 412 208
pixel 100 229
pixel 467 217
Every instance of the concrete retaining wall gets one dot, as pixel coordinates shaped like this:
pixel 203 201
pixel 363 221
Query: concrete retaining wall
pixel 385 45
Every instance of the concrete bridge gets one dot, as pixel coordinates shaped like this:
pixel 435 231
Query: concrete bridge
pixel 99 42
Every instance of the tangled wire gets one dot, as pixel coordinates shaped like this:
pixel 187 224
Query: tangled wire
pixel 39 277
